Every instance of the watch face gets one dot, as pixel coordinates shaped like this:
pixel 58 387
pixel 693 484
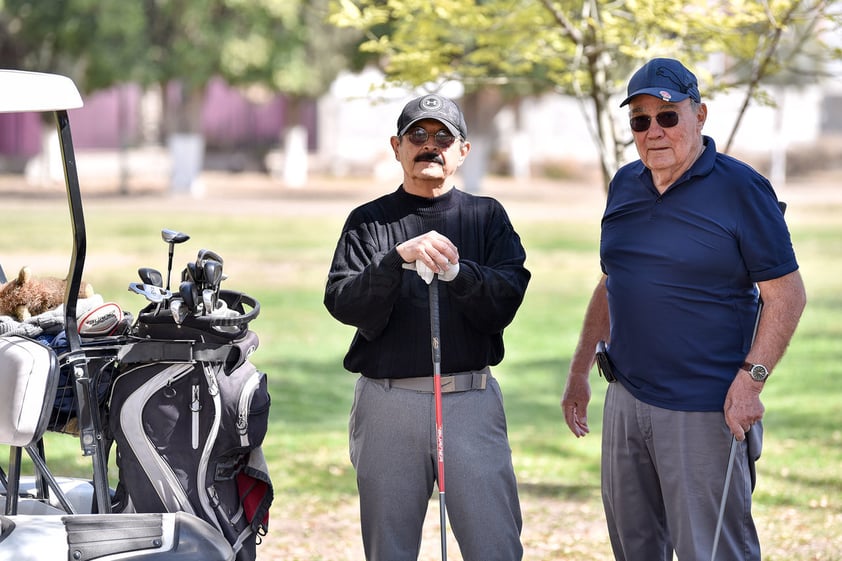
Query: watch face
pixel 759 372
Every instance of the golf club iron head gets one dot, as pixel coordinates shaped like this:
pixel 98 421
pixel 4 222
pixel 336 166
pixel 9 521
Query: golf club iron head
pixel 179 310
pixel 154 294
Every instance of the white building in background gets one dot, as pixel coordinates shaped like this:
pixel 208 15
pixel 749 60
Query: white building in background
pixel 357 117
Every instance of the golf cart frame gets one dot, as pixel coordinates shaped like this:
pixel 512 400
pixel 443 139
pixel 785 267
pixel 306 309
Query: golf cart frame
pixel 171 535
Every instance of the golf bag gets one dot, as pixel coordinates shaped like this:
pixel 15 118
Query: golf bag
pixel 188 412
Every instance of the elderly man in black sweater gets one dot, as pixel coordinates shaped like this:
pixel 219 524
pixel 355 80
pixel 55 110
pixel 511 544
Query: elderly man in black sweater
pixel 469 242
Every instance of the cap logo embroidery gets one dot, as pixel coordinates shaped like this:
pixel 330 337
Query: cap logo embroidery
pixel 431 104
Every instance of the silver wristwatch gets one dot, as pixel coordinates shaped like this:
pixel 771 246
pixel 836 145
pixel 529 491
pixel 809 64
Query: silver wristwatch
pixel 758 372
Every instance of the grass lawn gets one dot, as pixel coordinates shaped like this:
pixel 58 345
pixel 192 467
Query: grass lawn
pixel 278 249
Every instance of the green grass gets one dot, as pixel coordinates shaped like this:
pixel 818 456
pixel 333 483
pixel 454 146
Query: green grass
pixel 282 261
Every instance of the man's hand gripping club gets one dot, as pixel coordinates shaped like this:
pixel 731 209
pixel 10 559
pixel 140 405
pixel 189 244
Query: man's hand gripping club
pixel 430 254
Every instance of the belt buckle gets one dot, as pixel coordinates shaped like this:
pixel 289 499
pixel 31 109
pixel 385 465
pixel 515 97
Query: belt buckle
pixel 478 380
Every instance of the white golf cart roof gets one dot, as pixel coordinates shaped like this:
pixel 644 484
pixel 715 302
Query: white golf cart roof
pixel 22 91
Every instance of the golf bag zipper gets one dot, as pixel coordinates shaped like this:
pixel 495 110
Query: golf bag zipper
pixel 195 407
pixel 213 389
pixel 244 406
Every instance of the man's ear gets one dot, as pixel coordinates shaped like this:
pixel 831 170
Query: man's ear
pixel 463 151
pixel 395 142
pixel 702 115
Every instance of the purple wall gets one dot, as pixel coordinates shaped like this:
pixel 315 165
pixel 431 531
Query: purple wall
pixel 229 121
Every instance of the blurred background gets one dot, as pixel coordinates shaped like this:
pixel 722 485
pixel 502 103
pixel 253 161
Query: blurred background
pixel 275 115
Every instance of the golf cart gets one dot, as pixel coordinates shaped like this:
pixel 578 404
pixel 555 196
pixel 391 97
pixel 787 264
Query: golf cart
pixel 47 517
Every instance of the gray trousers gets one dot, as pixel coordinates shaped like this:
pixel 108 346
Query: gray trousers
pixel 663 473
pixel 393 449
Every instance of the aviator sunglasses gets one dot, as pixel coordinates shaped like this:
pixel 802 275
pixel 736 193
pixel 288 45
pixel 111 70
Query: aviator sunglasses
pixel 666 120
pixel 418 136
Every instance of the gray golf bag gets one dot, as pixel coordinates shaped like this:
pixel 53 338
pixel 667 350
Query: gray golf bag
pixel 188 412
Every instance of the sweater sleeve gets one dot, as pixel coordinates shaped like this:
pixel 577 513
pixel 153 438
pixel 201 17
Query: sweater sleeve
pixel 490 293
pixel 364 281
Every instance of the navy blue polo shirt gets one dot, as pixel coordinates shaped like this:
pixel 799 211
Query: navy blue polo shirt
pixel 681 270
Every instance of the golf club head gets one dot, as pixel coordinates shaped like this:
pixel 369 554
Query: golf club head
pixel 212 273
pixel 193 273
pixel 189 295
pixel 154 294
pixel 179 310
pixel 173 236
pixel 151 276
pixel 208 297
pixel 206 254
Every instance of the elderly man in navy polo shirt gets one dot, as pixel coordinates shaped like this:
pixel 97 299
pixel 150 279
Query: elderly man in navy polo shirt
pixel 691 238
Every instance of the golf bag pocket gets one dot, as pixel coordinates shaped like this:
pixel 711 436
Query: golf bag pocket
pixel 28 379
pixel 188 434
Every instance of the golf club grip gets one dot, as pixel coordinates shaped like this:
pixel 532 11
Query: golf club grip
pixel 435 325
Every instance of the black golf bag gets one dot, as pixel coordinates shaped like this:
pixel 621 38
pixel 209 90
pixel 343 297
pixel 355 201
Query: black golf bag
pixel 188 412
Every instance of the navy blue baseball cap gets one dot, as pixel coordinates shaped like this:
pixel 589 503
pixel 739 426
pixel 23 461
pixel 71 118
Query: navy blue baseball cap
pixel 665 78
pixel 432 106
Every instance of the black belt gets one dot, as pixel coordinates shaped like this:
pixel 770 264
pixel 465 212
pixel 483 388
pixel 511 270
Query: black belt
pixel 456 382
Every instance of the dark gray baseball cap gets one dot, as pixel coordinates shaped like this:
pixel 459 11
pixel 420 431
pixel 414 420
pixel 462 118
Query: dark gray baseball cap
pixel 432 106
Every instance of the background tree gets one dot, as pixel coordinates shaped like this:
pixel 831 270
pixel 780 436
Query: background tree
pixel 588 48
pixel 179 46
pixel 288 47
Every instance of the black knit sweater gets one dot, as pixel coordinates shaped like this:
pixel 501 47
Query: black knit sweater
pixel 368 288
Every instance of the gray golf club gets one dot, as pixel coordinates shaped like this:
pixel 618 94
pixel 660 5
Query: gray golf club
pixel 721 516
pixel 172 237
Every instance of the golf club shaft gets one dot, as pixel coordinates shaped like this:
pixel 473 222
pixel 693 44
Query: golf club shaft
pixel 435 333
pixel 719 520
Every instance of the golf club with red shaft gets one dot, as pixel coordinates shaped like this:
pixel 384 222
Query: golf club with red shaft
pixel 436 347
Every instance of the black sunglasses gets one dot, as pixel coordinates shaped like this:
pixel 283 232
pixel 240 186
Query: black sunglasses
pixel 641 123
pixel 419 136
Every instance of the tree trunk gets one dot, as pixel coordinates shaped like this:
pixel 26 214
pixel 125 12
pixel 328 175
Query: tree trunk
pixel 480 108
pixel 186 142
pixel 295 154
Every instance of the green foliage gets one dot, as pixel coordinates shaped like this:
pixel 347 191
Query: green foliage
pixel 588 48
pixel 281 45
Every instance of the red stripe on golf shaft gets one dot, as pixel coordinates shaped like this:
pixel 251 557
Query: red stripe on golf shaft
pixel 439 431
